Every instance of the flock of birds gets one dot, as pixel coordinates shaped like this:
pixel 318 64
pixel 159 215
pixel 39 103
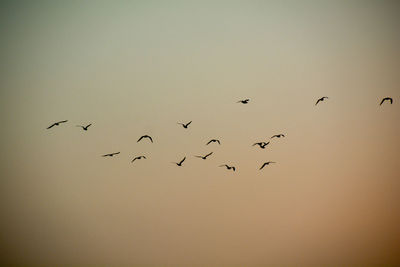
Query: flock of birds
pixel 262 145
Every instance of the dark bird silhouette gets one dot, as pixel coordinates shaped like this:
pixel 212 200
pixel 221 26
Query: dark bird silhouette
pixel 321 99
pixel 185 125
pixel 145 136
pixel 205 157
pixel 56 124
pixel 213 140
pixel 266 163
pixel 244 101
pixel 261 144
pixel 84 127
pixel 180 163
pixel 278 135
pixel 111 154
pixel 228 167
pixel 139 157
pixel 386 98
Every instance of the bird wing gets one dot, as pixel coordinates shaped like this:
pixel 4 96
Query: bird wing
pixel 199 156
pixel 134 159
pixel 256 144
pixel 51 126
pixel 105 155
pixel 151 139
pixel 140 138
pixel 233 167
pixel 218 142
pixel 274 136
pixel 265 144
pixel 116 153
pixel 318 101
pixel 62 121
pixel 187 124
pixel 262 166
pixel 208 155
pixel 182 160
pixel 144 157
pixel 88 126
pixel 209 142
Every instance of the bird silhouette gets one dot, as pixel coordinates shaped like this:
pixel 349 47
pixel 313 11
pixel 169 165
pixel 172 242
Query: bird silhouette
pixel 139 157
pixel 180 163
pixel 228 167
pixel 205 157
pixel 386 98
pixel 111 154
pixel 244 101
pixel 266 163
pixel 278 135
pixel 84 127
pixel 56 124
pixel 261 144
pixel 321 99
pixel 145 136
pixel 213 140
pixel 185 125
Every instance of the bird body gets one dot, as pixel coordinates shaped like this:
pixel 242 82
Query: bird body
pixel 386 99
pixel 213 141
pixel 111 154
pixel 85 128
pixel 56 124
pixel 138 157
pixel 261 144
pixel 266 163
pixel 228 167
pixel 321 99
pixel 145 136
pixel 244 101
pixel 180 163
pixel 204 157
pixel 185 125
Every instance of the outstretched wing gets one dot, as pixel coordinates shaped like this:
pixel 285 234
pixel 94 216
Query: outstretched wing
pixel 209 142
pixel 187 124
pixel 233 167
pixel 51 126
pixel 88 125
pixel 208 155
pixel 318 101
pixel 182 160
pixel 62 121
pixel 134 159
pixel 262 166
pixel 140 138
pixel 151 139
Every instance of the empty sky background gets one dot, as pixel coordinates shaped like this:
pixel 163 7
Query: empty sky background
pixel 139 67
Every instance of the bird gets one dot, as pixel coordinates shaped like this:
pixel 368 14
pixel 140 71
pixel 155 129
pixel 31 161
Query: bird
pixel 180 163
pixel 205 157
pixel 145 136
pixel 111 154
pixel 139 157
pixel 84 127
pixel 261 144
pixel 228 167
pixel 244 101
pixel 213 140
pixel 278 135
pixel 321 99
pixel 56 124
pixel 386 98
pixel 266 163
pixel 185 125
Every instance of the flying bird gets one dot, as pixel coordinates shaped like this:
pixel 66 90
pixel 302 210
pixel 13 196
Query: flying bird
pixel 185 125
pixel 244 101
pixel 56 124
pixel 228 167
pixel 139 157
pixel 145 136
pixel 266 163
pixel 205 157
pixel 111 154
pixel 321 99
pixel 213 140
pixel 84 127
pixel 180 163
pixel 278 135
pixel 261 144
pixel 386 98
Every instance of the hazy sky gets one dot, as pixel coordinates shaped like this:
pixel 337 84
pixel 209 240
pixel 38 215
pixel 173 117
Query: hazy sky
pixel 139 67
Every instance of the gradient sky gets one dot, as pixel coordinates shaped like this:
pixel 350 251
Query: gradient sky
pixel 139 67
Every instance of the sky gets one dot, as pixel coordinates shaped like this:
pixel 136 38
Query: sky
pixel 138 67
